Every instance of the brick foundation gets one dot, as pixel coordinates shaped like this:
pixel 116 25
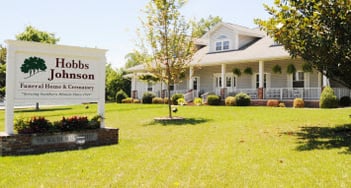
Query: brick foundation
pixel 23 144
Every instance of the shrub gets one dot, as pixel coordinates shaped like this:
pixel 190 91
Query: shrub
pixel 213 100
pixel 127 100
pixel 120 95
pixel 181 101
pixel 345 101
pixel 273 103
pixel 157 100
pixel 34 125
pixel 136 101
pixel 42 125
pixel 165 100
pixel 298 103
pixel 147 97
pixel 95 122
pixel 230 101
pixel 242 99
pixel 328 98
pixel 73 123
pixel 198 101
pixel 175 98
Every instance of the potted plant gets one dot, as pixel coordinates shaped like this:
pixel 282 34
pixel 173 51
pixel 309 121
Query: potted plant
pixel 248 70
pixel 237 71
pixel 277 69
pixel 307 67
pixel 291 69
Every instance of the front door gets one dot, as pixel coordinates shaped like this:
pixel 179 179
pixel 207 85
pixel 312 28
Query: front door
pixel 196 83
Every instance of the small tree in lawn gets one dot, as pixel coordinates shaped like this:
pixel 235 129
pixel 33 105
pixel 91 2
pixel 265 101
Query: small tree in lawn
pixel 168 38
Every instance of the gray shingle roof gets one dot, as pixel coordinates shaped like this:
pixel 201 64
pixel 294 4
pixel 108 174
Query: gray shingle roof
pixel 263 49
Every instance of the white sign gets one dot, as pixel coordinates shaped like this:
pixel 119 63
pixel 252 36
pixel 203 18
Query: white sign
pixel 44 72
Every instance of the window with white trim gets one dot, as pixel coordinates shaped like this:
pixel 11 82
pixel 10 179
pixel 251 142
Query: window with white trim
pixel 218 46
pixel 230 81
pixel 218 81
pixel 222 43
pixel 225 45
pixel 149 86
pixel 258 81
pixel 299 79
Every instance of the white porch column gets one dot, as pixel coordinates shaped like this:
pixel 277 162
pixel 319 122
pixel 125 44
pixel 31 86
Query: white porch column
pixel 325 81
pixel 261 74
pixel 133 82
pixel 223 75
pixel 191 73
pixel 223 91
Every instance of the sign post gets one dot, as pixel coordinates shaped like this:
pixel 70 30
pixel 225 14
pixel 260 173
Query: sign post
pixel 39 72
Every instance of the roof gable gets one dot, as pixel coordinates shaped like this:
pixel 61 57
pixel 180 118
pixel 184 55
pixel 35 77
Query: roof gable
pixel 241 30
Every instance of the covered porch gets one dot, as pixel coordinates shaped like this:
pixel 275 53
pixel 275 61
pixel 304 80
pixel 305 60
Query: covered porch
pixel 260 83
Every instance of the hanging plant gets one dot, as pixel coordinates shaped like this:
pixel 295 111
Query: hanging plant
pixel 248 70
pixel 307 67
pixel 277 69
pixel 291 69
pixel 237 71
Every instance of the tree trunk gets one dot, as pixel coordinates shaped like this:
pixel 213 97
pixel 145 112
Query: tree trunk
pixel 169 99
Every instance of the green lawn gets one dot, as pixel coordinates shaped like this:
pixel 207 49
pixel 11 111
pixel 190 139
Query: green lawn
pixel 216 147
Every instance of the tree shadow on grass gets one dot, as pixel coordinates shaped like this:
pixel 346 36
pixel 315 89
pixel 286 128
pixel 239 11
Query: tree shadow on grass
pixel 42 109
pixel 186 121
pixel 312 138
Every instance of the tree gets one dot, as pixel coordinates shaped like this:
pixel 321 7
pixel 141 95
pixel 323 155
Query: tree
pixel 319 31
pixel 135 58
pixel 35 35
pixel 202 26
pixel 168 37
pixel 2 71
pixel 33 65
pixel 115 82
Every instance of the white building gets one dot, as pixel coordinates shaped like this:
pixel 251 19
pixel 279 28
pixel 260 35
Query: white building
pixel 227 47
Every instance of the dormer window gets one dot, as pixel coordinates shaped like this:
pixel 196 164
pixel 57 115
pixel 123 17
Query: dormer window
pixel 218 46
pixel 222 43
pixel 225 45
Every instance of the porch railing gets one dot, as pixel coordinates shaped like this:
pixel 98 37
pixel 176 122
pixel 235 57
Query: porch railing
pixel 312 93
pixel 340 92
pixel 252 92
pixel 175 92
pixel 189 96
pixel 292 93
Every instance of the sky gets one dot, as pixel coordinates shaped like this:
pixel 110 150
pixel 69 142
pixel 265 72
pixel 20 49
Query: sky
pixel 110 24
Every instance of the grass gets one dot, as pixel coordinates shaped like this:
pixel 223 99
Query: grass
pixel 215 147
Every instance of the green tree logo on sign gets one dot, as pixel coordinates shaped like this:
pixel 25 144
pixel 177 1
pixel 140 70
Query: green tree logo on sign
pixel 32 66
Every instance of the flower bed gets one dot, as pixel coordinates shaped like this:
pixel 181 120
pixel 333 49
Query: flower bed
pixel 42 125
pixel 39 135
